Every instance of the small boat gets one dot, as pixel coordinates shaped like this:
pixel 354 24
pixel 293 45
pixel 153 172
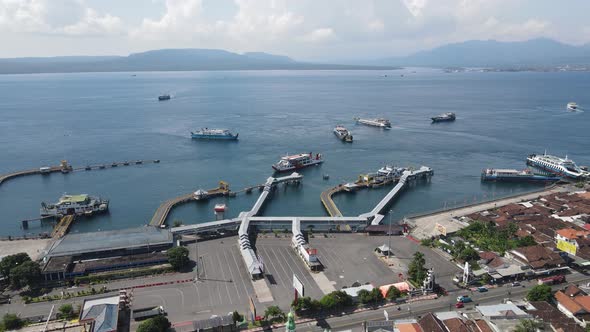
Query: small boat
pixel 448 116
pixel 343 134
pixel 297 161
pixel 326 176
pixel 164 97
pixel 379 122
pixel 206 133
pixel 219 208
pixel 572 107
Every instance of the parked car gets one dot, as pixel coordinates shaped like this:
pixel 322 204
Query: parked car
pixel 515 284
pixel 482 289
pixel 459 305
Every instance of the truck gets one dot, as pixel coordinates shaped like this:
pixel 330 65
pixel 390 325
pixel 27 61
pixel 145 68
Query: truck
pixel 145 313
pixel 553 280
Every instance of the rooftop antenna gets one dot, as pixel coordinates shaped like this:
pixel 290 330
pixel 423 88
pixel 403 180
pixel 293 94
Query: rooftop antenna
pixel 545 152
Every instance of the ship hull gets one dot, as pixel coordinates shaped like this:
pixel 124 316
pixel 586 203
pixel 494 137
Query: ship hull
pixel 215 137
pixel 532 178
pixel 553 170
pixel 442 119
pixel 296 167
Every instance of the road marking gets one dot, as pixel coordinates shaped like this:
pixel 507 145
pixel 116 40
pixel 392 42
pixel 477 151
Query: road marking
pixel 227 281
pixel 234 281
pixel 241 272
pixel 275 270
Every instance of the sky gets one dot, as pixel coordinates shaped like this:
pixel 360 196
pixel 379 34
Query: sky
pixel 317 30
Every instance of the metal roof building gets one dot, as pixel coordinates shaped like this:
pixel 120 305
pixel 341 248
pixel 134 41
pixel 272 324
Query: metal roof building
pixel 108 243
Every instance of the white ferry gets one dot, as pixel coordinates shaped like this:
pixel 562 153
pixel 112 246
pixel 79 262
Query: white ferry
pixel 380 122
pixel 559 166
pixel 297 161
pixel 343 134
pixel 208 133
pixel 572 107
pixel 75 205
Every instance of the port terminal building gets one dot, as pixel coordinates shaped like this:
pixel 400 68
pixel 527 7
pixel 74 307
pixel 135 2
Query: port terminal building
pixel 80 254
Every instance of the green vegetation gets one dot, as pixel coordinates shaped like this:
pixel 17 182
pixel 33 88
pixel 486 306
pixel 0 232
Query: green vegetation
pixel 370 297
pixel 66 311
pixel 427 242
pixel 275 314
pixel 178 257
pixel 177 223
pixel 540 293
pixel 336 300
pixel 417 270
pixel 237 317
pixel 305 305
pixel 20 270
pixel 66 295
pixel 11 322
pixel 120 274
pixel 156 324
pixel 393 293
pixel 528 325
pixel 488 236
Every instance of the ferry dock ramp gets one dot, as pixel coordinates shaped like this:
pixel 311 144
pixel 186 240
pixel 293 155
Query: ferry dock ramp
pixel 375 215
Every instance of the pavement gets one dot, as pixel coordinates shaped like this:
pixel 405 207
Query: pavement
pixel 424 226
pixel 34 247
pixel 224 285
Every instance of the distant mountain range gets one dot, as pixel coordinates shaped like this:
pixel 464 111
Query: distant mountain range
pixel 166 60
pixel 491 53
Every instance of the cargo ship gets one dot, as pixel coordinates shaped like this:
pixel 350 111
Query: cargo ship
pixel 445 117
pixel 343 134
pixel 558 166
pixel 164 97
pixel 380 122
pixel 297 161
pixel 75 205
pixel 221 134
pixel 492 174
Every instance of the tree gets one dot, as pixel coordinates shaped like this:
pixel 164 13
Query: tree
pixel 11 322
pixel 336 299
pixel 156 324
pixel 274 312
pixel 237 317
pixel 416 269
pixel 305 304
pixel 376 295
pixel 10 262
pixel 540 293
pixel 66 311
pixel 393 293
pixel 468 254
pixel 178 257
pixel 528 325
pixel 25 274
pixel 364 296
pixel 177 223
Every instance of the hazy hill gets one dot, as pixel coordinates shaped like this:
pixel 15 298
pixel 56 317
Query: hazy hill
pixel 490 53
pixel 165 60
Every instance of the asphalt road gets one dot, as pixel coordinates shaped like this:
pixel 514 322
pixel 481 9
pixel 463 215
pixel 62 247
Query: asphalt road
pixel 353 322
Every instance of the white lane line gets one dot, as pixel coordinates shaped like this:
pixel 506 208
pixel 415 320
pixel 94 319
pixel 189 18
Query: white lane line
pixel 234 281
pixel 223 278
pixel 274 269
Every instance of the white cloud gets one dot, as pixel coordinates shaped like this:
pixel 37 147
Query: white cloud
pixel 69 17
pixel 319 35
pixel 415 6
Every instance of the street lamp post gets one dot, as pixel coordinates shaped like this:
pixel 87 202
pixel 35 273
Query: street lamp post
pixel 389 238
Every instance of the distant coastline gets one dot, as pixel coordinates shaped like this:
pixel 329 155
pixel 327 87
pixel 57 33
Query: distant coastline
pixel 170 60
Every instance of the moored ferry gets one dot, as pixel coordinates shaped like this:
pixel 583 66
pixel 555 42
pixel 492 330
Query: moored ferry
pixel 75 205
pixel 207 133
pixel 559 166
pixel 297 161
pixel 492 174
pixel 380 122
pixel 343 134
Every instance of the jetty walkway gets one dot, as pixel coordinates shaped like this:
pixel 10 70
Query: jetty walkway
pixel 64 167
pixel 326 198
pixel 62 227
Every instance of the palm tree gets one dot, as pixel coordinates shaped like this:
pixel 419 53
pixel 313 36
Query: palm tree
pixel 528 325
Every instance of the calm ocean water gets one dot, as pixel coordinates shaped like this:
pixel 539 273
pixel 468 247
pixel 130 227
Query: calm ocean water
pixel 100 118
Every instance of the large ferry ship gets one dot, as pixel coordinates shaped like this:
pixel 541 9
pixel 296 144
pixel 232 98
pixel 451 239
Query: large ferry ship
pixel 297 161
pixel 559 166
pixel 75 205
pixel 492 174
pixel 343 134
pixel 207 133
pixel 380 122
pixel 448 116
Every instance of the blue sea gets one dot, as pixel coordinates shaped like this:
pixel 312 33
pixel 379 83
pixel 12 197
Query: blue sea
pixel 93 118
